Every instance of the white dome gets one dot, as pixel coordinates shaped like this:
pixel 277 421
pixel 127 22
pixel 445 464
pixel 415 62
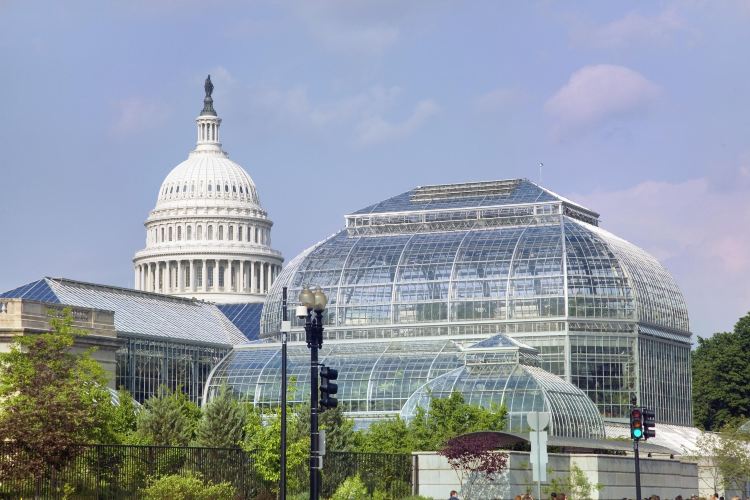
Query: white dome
pixel 208 236
pixel 207 178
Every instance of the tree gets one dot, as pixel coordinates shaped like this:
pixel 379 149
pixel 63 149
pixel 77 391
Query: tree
pixel 263 442
pixel 123 419
pixel 169 419
pixel 728 456
pixel 51 398
pixel 575 485
pixel 430 429
pixel 721 378
pixel 340 434
pixel 222 424
pixel 475 454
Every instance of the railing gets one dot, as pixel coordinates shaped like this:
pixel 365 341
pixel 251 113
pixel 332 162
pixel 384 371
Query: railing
pixel 120 471
pixel 123 471
pixel 389 473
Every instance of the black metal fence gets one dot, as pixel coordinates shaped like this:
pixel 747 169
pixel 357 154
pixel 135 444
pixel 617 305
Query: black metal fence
pixel 389 473
pixel 123 471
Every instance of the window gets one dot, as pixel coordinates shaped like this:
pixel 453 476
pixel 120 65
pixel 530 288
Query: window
pixel 190 233
pixel 209 188
pixel 210 233
pixel 240 189
pixel 199 274
pixel 179 233
pixel 169 230
pixel 171 189
pixel 178 189
pixel 162 235
pixel 200 233
pixel 234 188
pixel 257 235
pixel 218 188
pixel 221 232
pixel 239 233
pixel 226 187
pixel 231 233
pixel 221 273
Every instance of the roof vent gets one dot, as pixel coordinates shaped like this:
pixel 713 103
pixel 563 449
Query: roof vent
pixel 495 189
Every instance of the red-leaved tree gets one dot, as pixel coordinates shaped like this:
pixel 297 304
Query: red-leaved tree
pixel 475 453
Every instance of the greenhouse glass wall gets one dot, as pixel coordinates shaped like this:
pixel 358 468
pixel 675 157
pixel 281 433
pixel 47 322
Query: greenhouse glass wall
pixel 469 261
pixel 381 378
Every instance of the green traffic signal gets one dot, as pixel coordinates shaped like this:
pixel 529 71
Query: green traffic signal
pixel 637 433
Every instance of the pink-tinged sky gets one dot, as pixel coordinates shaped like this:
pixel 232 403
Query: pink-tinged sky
pixel 639 110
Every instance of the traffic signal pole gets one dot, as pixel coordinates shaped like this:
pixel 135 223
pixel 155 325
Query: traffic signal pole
pixel 637 470
pixel 314 340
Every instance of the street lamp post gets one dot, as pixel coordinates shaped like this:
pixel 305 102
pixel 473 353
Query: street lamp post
pixel 313 302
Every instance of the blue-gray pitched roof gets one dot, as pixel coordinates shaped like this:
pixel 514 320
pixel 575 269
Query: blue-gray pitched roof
pixel 246 317
pixel 139 313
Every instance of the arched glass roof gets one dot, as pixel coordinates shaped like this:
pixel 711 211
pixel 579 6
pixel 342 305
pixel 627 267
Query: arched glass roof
pixel 390 377
pixel 563 270
pixel 521 389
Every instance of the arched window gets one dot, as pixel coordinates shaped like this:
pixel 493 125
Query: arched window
pixel 221 232
pixel 209 188
pixel 226 187
pixel 239 233
pixel 257 235
pixel 234 188
pixel 162 235
pixel 218 188
pixel 179 233
pixel 240 189
pixel 169 230
pixel 231 233
pixel 210 233
pixel 190 232
pixel 200 232
pixel 171 189
pixel 178 189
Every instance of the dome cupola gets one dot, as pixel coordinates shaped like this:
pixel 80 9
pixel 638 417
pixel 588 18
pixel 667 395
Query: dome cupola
pixel 208 236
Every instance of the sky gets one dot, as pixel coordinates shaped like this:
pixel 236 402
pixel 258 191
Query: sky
pixel 638 110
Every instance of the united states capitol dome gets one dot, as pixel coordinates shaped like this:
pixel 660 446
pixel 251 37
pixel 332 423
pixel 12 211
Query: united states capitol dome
pixel 208 236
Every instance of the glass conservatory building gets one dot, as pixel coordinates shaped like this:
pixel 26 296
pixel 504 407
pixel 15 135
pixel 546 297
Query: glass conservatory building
pixel 444 266
pixel 387 377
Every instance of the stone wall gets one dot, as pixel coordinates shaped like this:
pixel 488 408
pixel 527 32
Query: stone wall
pixel 659 476
pixel 27 317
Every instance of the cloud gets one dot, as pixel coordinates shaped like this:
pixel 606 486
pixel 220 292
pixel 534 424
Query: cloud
pixel 364 113
pixel 364 27
pixel 136 114
pixel 376 129
pixel 596 94
pixel 498 99
pixel 697 231
pixel 632 29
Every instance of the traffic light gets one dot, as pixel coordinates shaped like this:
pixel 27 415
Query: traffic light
pixel 649 422
pixel 636 424
pixel 328 388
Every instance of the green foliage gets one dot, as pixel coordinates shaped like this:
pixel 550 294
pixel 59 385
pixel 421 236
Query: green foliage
pixel 431 429
pixel 386 436
pixel 222 424
pixel 728 452
pixel 51 398
pixel 169 419
pixel 353 488
pixel 187 487
pixel 263 442
pixel 123 418
pixel 721 378
pixel 576 485
pixel 340 434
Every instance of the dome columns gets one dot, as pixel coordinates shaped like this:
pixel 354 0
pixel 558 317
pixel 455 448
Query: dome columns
pixel 195 276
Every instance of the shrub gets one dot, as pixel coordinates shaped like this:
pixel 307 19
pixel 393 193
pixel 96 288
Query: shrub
pixel 187 487
pixel 353 488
